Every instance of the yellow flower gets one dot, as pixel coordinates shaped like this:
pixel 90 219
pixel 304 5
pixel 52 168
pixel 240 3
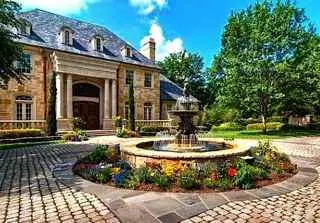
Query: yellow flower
pixel 115 170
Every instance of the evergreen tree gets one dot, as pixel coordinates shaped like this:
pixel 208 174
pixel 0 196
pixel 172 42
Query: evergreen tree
pixel 51 115
pixel 132 123
pixel 10 51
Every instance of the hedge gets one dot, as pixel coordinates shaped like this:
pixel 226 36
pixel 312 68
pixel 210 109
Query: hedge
pixel 151 129
pixel 19 133
pixel 227 126
pixel 260 126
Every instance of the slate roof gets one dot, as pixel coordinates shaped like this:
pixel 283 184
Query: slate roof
pixel 170 91
pixel 46 27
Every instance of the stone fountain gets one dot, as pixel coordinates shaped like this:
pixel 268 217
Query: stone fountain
pixel 184 146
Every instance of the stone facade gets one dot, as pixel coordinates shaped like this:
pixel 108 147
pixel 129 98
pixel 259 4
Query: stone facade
pixel 36 87
pixel 108 76
pixel 142 94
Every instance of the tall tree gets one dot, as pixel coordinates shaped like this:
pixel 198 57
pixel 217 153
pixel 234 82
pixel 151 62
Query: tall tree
pixel 10 51
pixel 260 47
pixel 132 122
pixel 185 66
pixel 51 115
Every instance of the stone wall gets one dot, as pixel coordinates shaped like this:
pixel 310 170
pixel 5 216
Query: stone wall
pixel 142 94
pixel 34 87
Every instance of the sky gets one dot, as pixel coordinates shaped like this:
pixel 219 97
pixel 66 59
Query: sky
pixel 194 25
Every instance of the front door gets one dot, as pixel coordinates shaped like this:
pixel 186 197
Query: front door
pixel 88 112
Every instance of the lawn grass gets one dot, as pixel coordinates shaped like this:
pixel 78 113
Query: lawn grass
pixel 257 134
pixel 27 144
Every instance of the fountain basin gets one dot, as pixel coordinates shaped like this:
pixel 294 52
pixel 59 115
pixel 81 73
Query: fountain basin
pixel 138 153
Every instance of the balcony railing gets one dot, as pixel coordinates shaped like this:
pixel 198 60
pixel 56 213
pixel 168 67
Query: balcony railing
pixel 22 124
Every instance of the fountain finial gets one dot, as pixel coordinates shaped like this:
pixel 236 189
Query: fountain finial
pixel 186 89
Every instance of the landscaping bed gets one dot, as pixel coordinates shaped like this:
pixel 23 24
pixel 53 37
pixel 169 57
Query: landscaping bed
pixel 263 167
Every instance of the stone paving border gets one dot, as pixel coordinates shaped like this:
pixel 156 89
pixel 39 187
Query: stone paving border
pixel 140 206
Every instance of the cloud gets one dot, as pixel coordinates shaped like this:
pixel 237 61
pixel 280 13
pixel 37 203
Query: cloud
pixel 58 6
pixel 163 46
pixel 146 7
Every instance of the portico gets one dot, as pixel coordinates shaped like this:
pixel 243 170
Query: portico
pixel 85 89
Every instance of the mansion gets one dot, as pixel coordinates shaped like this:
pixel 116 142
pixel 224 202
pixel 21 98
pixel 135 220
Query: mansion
pixel 94 68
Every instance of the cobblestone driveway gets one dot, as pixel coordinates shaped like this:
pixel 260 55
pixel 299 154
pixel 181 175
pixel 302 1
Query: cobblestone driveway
pixel 30 193
pixel 302 205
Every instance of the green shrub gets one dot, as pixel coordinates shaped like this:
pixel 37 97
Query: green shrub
pixel 225 184
pixel 70 136
pixel 188 179
pixel 207 168
pixel 216 114
pixel 125 133
pixel 152 129
pixel 104 176
pixel 210 183
pixel 82 135
pixel 161 180
pixel 98 155
pixel 143 174
pixel 77 123
pixel 247 174
pixel 260 126
pixel 137 177
pixel 19 133
pixel 227 126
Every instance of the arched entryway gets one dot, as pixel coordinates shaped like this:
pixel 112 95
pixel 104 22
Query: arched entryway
pixel 86 104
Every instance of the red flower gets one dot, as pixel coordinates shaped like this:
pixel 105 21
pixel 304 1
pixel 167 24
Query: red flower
pixel 231 172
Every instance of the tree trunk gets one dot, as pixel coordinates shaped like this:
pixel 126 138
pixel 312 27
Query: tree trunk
pixel 264 112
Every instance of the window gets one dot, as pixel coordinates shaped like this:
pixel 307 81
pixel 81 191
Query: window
pixel 129 77
pixel 67 37
pixel 98 42
pixel 24 108
pixel 24 66
pixel 126 111
pixel 147 111
pixel 19 111
pixel 147 80
pixel 128 52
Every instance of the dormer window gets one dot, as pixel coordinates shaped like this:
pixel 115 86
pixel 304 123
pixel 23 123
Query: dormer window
pixel 25 28
pixel 98 46
pixel 126 51
pixel 97 43
pixel 66 36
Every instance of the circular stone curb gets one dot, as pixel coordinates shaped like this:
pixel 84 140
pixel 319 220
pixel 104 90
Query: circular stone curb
pixel 131 148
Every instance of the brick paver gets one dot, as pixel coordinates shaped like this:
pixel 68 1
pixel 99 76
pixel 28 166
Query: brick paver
pixel 30 193
pixel 302 205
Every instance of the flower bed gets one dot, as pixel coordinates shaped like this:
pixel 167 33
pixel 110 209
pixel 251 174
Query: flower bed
pixel 264 166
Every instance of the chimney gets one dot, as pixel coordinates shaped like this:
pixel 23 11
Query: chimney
pixel 148 49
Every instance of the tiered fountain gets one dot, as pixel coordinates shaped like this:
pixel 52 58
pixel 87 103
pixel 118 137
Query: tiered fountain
pixel 185 146
pixel 186 140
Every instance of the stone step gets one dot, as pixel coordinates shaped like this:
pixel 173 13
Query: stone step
pixel 94 133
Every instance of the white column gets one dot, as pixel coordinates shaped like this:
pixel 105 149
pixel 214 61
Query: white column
pixel 59 86
pixel 107 99
pixel 69 97
pixel 114 98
